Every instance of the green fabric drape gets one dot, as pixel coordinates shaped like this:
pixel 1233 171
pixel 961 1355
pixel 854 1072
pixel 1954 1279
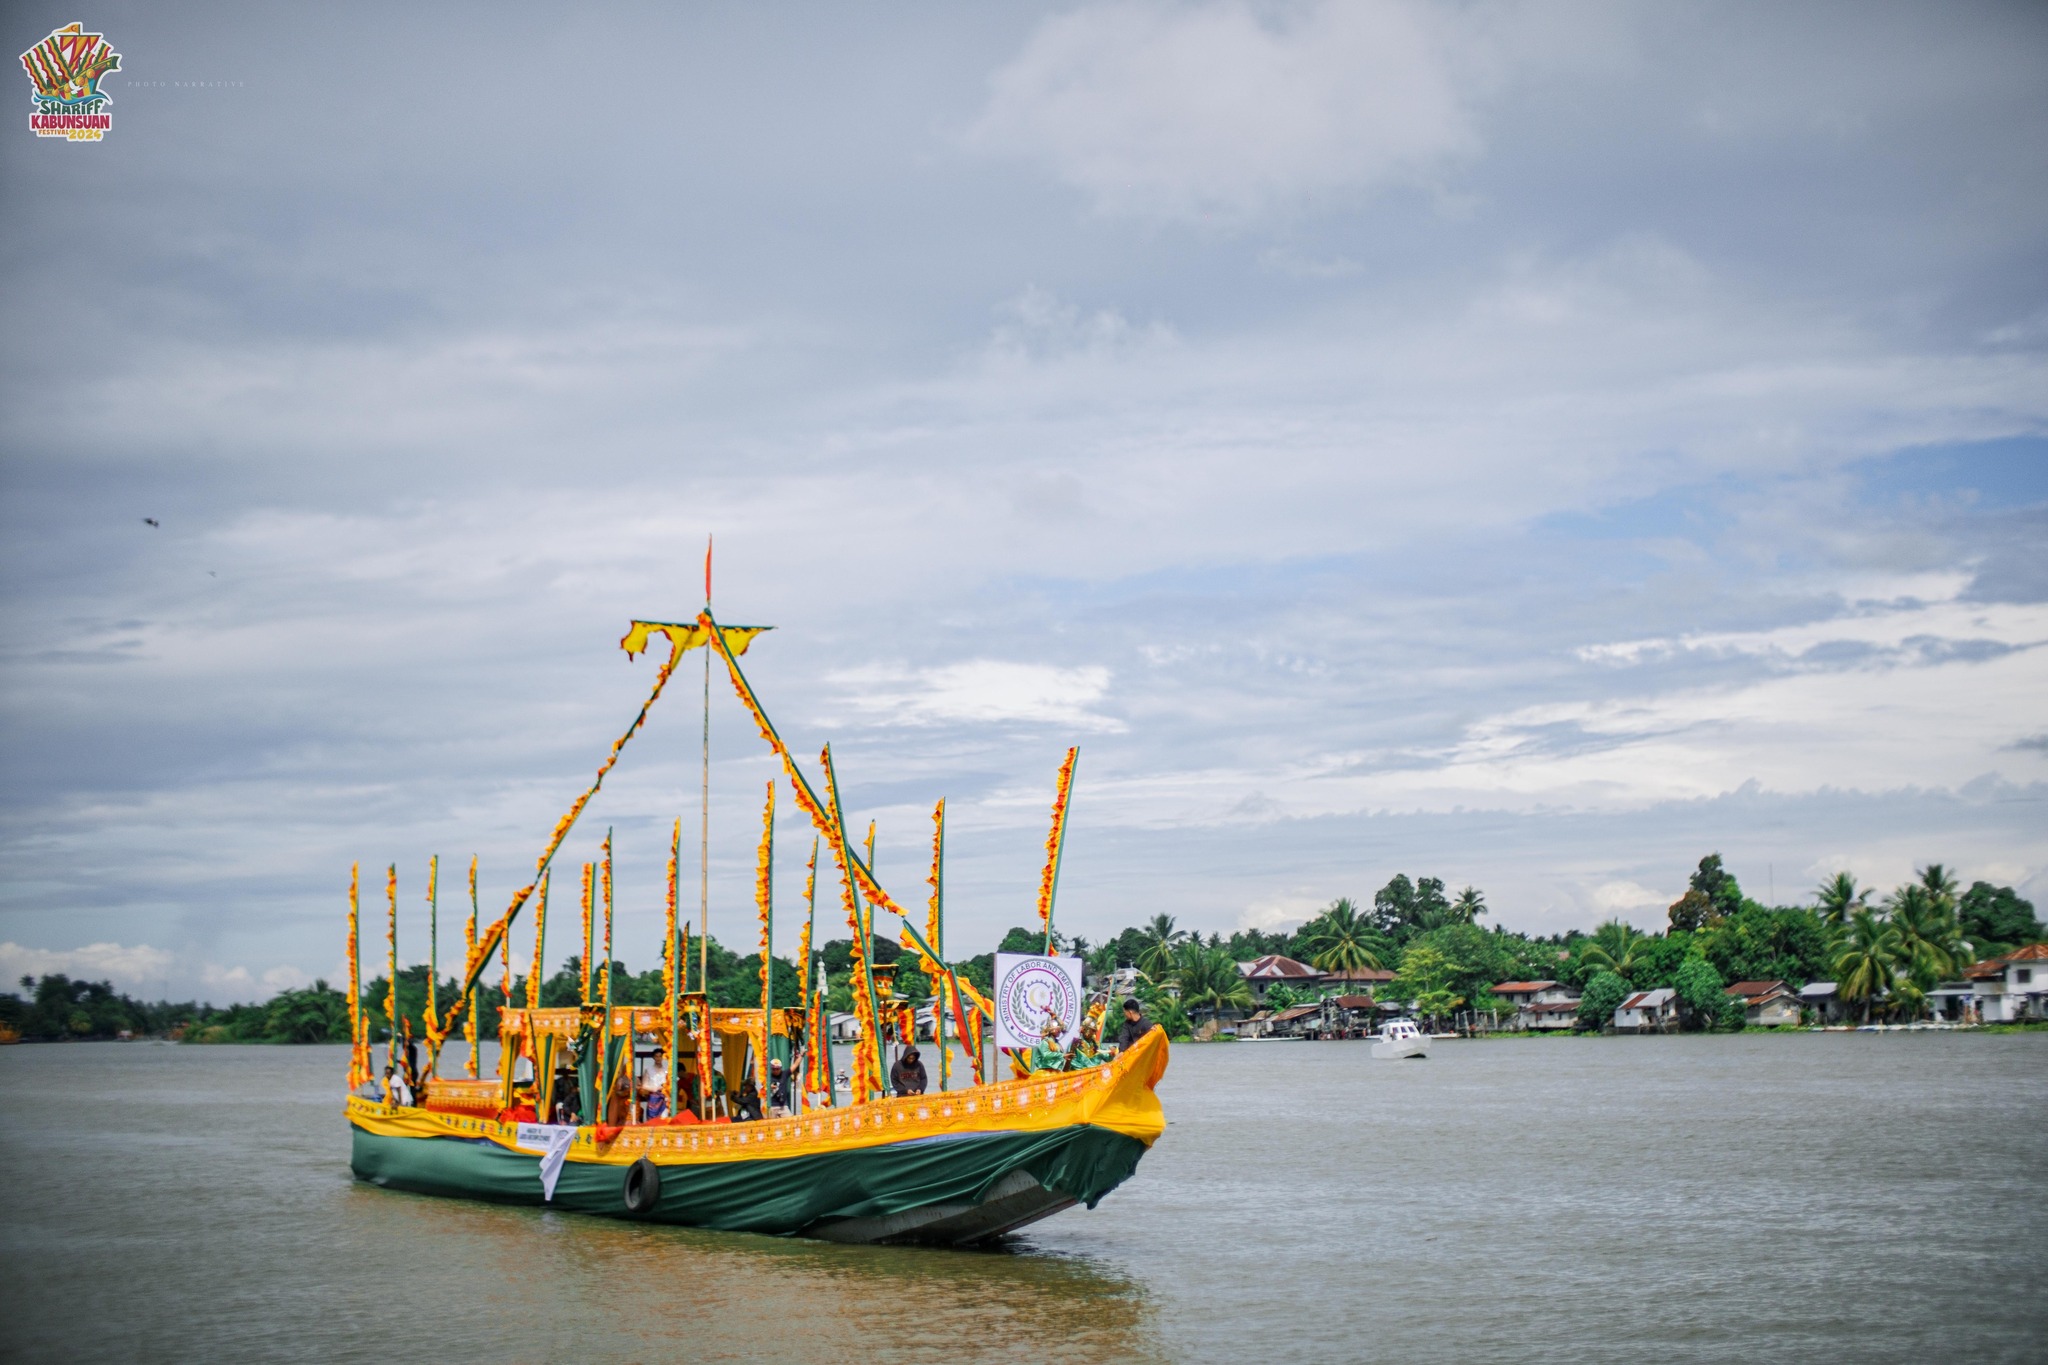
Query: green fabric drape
pixel 771 1196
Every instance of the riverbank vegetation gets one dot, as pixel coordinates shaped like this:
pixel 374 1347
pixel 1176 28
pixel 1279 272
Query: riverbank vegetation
pixel 1885 954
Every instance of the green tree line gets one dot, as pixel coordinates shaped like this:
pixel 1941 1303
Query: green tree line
pixel 1884 953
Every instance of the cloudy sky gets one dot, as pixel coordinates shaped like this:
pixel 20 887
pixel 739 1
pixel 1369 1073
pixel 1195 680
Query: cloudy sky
pixel 1529 445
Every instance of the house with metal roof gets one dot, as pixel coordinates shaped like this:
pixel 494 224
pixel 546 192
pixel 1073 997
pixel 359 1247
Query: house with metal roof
pixel 1824 998
pixel 1540 1005
pixel 1262 974
pixel 2012 987
pixel 1766 1004
pixel 1648 1012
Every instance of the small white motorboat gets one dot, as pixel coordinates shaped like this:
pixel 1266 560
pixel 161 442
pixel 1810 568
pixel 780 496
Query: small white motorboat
pixel 1399 1038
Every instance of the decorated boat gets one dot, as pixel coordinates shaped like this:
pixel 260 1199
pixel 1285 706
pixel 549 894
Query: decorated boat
pixel 738 1119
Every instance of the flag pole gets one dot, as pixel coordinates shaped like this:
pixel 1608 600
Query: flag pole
pixel 704 853
pixel 433 1016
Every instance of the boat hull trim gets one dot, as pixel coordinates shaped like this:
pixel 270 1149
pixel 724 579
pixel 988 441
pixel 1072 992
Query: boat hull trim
pixel 953 1170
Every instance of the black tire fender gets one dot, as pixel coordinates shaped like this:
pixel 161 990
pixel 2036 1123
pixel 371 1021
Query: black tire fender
pixel 643 1186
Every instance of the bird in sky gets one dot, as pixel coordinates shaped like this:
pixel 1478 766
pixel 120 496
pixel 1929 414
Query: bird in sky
pixel 152 521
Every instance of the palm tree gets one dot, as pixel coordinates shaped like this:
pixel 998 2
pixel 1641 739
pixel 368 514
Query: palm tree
pixel 1158 942
pixel 1931 942
pixel 1614 946
pixel 1209 980
pixel 1940 885
pixel 1864 962
pixel 1839 897
pixel 1469 906
pixel 1342 940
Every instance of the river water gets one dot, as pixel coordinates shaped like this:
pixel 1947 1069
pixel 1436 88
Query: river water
pixel 1810 1197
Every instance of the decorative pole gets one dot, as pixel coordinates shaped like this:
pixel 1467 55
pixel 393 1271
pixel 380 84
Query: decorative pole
pixel 1056 844
pixel 935 935
pixel 589 931
pixel 704 830
pixel 391 998
pixel 804 1078
pixel 764 902
pixel 867 1053
pixel 505 989
pixel 469 943
pixel 676 969
pixel 358 1058
pixel 540 947
pixel 433 1013
pixel 606 1068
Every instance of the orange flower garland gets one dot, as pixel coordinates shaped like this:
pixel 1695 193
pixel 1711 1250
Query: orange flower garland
pixel 764 906
pixel 1055 842
pixel 540 941
pixel 358 1054
pixel 589 883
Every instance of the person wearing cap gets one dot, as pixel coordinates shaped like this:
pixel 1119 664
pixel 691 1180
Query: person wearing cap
pixel 1135 1025
pixel 907 1076
pixel 778 1087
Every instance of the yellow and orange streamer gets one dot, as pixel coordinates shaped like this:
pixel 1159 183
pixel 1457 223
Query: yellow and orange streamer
pixel 358 1051
pixel 1055 844
pixel 480 953
pixel 540 943
pixel 867 1048
pixel 604 986
pixel 830 824
pixel 391 998
pixel 764 906
pixel 469 1067
pixel 431 1016
pixel 589 884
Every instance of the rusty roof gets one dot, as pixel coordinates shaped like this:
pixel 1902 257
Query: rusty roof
pixel 1274 967
pixel 1374 974
pixel 1505 986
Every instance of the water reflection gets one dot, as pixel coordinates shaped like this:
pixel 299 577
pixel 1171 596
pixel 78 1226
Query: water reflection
pixel 627 1290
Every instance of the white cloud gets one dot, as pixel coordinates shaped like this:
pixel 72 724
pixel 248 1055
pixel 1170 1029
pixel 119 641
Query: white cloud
pixel 980 691
pixel 1620 897
pixel 1274 913
pixel 113 962
pixel 1898 633
pixel 1226 110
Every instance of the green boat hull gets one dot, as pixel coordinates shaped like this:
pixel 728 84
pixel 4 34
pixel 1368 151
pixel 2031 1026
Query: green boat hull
pixel 950 1190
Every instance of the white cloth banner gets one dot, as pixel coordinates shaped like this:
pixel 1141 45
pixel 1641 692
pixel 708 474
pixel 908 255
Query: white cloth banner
pixel 1036 995
pixel 552 1141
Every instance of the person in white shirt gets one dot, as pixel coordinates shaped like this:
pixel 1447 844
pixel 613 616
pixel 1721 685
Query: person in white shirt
pixel 396 1090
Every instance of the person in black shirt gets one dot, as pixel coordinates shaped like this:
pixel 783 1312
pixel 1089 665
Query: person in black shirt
pixel 907 1076
pixel 778 1086
pixel 1135 1025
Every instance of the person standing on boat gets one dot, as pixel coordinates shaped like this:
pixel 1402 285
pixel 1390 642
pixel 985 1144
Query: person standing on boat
pixel 778 1088
pixel 1135 1025
pixel 907 1076
pixel 396 1091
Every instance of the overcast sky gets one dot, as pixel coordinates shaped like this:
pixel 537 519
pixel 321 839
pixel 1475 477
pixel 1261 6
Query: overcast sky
pixel 1533 446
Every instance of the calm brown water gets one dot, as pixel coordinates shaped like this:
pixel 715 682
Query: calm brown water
pixel 1837 1197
